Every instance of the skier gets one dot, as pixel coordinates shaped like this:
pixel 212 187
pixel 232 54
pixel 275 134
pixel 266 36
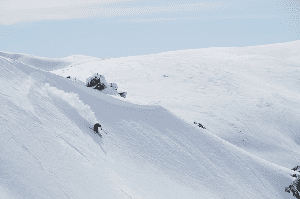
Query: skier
pixel 96 128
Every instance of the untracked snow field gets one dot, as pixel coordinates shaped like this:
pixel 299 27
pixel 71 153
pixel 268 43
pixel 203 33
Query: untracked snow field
pixel 248 99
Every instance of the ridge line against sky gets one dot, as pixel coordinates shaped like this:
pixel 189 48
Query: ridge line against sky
pixel 92 27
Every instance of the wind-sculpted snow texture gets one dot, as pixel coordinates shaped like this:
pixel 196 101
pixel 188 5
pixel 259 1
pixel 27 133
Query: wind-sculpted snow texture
pixel 48 151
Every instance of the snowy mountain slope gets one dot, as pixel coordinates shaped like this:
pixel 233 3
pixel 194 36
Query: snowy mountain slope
pixel 42 63
pixel 39 157
pixel 248 96
pixel 48 151
pixel 48 64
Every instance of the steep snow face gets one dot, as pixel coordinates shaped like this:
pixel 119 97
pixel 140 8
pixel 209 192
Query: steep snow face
pixel 248 96
pixel 44 154
pixel 48 151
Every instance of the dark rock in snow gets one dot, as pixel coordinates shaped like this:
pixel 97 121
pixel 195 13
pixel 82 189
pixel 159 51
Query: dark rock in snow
pixel 123 94
pixel 295 186
pixel 200 125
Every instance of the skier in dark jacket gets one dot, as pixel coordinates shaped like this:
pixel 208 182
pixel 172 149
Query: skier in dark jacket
pixel 96 128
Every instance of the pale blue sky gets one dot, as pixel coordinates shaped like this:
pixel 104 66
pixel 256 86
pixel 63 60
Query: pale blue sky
pixel 122 28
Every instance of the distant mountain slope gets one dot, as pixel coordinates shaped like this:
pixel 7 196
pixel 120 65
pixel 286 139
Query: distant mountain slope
pixel 248 96
pixel 48 150
pixel 42 63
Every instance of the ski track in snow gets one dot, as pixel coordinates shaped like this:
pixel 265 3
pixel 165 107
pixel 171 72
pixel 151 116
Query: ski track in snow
pixel 73 148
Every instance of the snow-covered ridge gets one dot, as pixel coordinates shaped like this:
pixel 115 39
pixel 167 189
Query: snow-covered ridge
pixel 42 63
pixel 248 96
pixel 48 151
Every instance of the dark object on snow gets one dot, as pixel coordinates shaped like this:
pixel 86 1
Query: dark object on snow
pixel 96 126
pixel 200 125
pixel 71 78
pixel 96 81
pixel 100 87
pixel 295 186
pixel 93 82
pixel 296 168
pixel 123 94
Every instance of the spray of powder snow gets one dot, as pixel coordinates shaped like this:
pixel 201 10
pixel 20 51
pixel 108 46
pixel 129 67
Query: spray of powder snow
pixel 73 99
